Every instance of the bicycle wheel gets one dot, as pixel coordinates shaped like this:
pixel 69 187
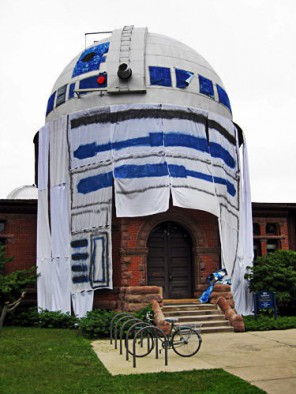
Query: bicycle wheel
pixel 186 342
pixel 143 346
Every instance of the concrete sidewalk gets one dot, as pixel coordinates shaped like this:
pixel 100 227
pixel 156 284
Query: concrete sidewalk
pixel 266 359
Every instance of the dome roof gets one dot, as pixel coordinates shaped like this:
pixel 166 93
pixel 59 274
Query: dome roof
pixel 26 192
pixel 136 66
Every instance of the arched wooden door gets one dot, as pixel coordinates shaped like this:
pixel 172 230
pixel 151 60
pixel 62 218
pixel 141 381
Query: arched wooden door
pixel 169 263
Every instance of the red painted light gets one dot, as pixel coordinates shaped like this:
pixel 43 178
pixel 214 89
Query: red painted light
pixel 101 79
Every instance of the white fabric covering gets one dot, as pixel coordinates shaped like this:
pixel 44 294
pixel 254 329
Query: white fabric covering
pixel 82 302
pixel 148 156
pixel 44 282
pixel 242 296
pixel 60 228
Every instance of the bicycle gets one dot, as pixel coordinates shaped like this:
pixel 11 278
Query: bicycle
pixel 184 340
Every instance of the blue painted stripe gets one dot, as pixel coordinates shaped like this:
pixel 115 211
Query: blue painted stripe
pixel 223 97
pixel 94 183
pixel 80 279
pixel 79 243
pixel 142 171
pixel 181 172
pixel 97 182
pixel 218 151
pixel 152 140
pixel 80 256
pixel 79 268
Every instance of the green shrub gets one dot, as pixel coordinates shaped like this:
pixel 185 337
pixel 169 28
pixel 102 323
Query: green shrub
pixel 276 272
pixel 265 322
pixel 44 319
pixel 96 324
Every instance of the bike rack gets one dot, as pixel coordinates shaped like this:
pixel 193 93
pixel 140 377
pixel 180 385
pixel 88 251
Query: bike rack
pixel 155 330
pixel 137 324
pixel 135 319
pixel 112 321
pixel 123 316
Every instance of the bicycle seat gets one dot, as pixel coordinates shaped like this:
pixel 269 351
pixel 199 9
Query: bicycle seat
pixel 171 319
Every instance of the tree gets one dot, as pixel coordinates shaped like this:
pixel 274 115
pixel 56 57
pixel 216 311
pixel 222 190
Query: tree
pixel 276 272
pixel 13 286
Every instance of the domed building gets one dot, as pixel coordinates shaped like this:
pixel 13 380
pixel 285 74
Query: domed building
pixel 144 174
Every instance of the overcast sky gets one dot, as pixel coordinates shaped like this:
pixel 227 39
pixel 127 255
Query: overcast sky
pixel 249 43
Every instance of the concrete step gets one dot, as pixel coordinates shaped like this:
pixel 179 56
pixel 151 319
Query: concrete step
pixel 210 323
pixel 206 317
pixel 200 318
pixel 191 312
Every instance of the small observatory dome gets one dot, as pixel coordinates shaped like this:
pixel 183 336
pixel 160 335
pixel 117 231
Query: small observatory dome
pixel 153 68
pixel 26 192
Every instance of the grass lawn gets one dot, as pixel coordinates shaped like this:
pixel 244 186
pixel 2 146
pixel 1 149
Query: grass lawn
pixel 58 361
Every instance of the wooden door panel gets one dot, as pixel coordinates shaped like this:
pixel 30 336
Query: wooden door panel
pixel 169 260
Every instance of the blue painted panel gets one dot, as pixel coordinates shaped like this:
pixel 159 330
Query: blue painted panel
pixel 71 91
pixel 160 76
pixel 181 77
pixel 89 83
pixel 50 103
pixel 141 171
pixel 99 243
pixel 218 151
pixel 223 97
pixel 80 256
pixel 79 243
pixel 154 139
pixel 181 172
pixel 79 268
pixel 206 86
pixel 91 59
pixel 80 279
pixel 96 182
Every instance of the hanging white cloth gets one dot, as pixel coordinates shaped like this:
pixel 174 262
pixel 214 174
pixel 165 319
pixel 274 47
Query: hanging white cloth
pixel 44 282
pixel 82 303
pixel 60 227
pixel 240 287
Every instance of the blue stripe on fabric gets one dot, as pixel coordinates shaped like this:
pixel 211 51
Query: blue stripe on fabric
pixel 79 243
pixel 181 172
pixel 79 268
pixel 94 183
pixel 80 256
pixel 97 182
pixel 218 151
pixel 154 139
pixel 186 141
pixel 142 171
pixel 80 279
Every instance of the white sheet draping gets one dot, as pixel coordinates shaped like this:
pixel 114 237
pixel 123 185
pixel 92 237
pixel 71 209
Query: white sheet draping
pixel 82 302
pixel 147 157
pixel 242 296
pixel 44 287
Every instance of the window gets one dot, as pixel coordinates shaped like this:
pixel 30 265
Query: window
pixel 271 228
pixel 272 246
pixel 2 226
pixel 256 229
pixel 257 249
